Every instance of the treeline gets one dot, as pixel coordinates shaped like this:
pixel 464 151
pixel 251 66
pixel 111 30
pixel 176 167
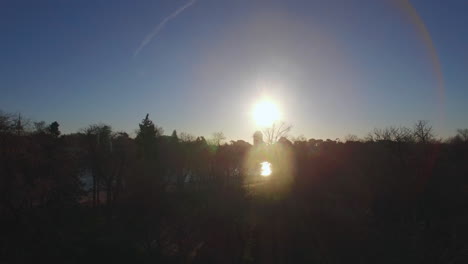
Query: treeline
pixel 397 196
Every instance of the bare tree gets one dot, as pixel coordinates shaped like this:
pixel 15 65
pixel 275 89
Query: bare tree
pixel 6 122
pixel 401 134
pixel 40 127
pixel 217 138
pixel 423 131
pixel 395 134
pixel 382 134
pixel 369 137
pixel 276 131
pixel 351 138
pixel 21 125
pixel 462 134
pixel 186 137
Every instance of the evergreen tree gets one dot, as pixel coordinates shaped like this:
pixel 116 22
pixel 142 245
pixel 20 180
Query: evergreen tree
pixel 54 129
pixel 146 135
pixel 174 136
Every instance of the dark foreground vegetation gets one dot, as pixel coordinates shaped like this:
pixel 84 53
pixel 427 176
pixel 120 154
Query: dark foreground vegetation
pixel 98 196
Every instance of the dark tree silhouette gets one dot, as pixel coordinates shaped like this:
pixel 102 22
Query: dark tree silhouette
pixel 423 131
pixel 397 196
pixel 54 129
pixel 174 136
pixel 146 136
pixel 19 125
pixel 40 127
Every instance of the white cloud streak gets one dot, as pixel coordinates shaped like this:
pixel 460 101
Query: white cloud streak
pixel 161 25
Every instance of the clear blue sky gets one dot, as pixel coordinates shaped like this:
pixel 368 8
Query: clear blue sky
pixel 335 67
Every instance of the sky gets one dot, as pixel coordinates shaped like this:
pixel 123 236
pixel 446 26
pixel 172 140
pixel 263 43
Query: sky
pixel 333 67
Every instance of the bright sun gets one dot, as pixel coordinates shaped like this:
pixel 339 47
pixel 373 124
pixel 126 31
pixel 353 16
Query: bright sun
pixel 265 113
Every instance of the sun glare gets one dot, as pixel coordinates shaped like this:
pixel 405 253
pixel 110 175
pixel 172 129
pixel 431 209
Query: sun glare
pixel 265 113
pixel 265 170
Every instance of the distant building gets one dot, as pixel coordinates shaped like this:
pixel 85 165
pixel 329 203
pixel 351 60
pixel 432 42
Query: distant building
pixel 258 138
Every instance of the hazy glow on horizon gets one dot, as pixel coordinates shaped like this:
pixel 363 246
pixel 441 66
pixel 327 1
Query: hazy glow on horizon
pixel 265 113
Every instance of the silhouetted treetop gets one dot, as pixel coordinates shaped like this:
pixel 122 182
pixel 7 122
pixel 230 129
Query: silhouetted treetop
pixel 146 135
pixel 423 131
pixel 54 129
pixel 174 136
pixel 148 130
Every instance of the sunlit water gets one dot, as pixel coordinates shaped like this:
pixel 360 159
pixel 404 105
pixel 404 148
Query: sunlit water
pixel 265 169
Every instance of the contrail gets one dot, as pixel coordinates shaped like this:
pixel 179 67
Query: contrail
pixel 161 25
